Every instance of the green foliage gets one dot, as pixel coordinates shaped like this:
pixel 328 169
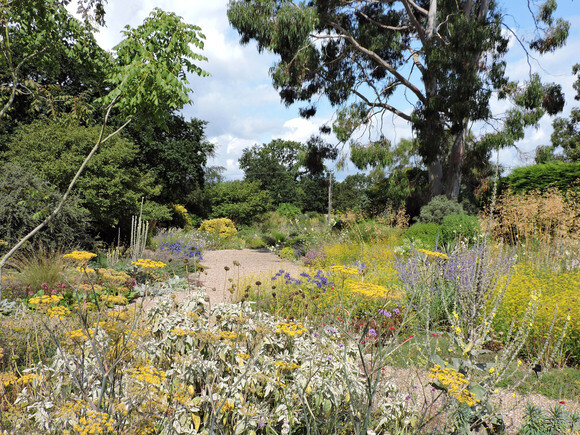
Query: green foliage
pixel 176 156
pixel 241 201
pixel 276 167
pixel 25 200
pixel 50 59
pixel 559 175
pixel 438 208
pixel 111 187
pixel 288 210
pixel 428 234
pixel 555 421
pixel 152 62
pixel 566 132
pixel 460 226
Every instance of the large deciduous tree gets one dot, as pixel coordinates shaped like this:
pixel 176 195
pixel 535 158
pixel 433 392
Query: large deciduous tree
pixel 444 56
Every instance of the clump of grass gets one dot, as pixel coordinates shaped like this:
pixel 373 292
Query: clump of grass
pixel 42 266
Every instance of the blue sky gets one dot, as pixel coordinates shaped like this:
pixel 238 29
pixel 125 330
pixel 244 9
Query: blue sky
pixel 242 108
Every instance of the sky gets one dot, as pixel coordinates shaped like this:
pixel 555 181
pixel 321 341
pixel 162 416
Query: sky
pixel 242 108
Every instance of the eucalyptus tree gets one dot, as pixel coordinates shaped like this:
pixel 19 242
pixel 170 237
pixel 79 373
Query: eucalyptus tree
pixel 432 63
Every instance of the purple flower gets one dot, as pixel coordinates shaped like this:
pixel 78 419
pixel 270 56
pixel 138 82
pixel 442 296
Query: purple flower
pixel 396 311
pixel 373 333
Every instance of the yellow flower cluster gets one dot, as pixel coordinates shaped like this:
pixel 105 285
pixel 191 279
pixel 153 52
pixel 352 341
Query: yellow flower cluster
pixel 7 379
pixel 45 300
pixel 369 290
pixel 433 254
pixel 147 263
pixel 455 384
pixel 94 423
pixel 228 335
pixel 291 329
pixel 344 270
pixel 90 287
pixel 79 334
pixel 80 256
pixel 84 269
pixel 127 314
pixel 58 312
pixel 112 276
pixel 227 405
pixel 283 365
pixel 27 379
pixel 181 332
pixel 148 375
pixel 114 300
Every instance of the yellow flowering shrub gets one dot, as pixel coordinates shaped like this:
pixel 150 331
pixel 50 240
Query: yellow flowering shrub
pixel 559 290
pixel 181 217
pixel 222 227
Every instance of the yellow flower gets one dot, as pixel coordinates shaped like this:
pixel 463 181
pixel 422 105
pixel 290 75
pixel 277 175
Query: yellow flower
pixel 80 256
pixel 454 383
pixel 344 270
pixel 291 329
pixel 433 254
pixel 147 263
pixel 491 370
pixel 58 312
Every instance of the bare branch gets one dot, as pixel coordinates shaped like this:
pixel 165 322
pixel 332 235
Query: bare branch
pixel 355 44
pixel 418 27
pixel 383 26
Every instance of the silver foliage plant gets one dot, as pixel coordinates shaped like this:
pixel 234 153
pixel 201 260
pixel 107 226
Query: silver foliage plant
pixel 189 370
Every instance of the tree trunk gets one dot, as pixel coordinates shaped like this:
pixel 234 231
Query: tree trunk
pixel 435 171
pixel 456 158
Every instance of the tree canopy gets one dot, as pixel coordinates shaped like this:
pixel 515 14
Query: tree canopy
pixel 446 57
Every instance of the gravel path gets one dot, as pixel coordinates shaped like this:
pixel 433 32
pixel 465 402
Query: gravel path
pixel 244 265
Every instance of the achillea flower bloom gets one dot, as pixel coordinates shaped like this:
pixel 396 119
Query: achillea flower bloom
pixel 344 270
pixel 147 263
pixel 80 256
pixel 433 254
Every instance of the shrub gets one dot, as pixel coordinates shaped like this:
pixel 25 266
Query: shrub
pixel 460 226
pixel 559 291
pixel 559 175
pixel 288 210
pixel 438 208
pixel 241 201
pixel 222 227
pixel 286 253
pixel 26 200
pixel 427 233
